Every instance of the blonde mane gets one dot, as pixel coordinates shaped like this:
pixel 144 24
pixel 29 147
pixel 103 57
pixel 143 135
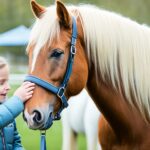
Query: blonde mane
pixel 118 47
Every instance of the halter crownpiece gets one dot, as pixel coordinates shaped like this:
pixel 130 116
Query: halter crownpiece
pixel 59 91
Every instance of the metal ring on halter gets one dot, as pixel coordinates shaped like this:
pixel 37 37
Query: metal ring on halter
pixel 60 92
pixel 43 132
pixel 73 50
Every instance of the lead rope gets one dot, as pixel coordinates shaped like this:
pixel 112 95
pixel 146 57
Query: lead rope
pixel 43 140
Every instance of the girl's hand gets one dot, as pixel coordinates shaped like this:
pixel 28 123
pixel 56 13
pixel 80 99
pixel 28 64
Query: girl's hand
pixel 25 91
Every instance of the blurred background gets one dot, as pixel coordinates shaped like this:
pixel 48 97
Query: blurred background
pixel 17 12
pixel 14 13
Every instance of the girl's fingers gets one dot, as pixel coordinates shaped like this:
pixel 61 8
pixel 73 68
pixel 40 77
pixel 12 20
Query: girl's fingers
pixel 30 92
pixel 29 95
pixel 29 84
pixel 30 88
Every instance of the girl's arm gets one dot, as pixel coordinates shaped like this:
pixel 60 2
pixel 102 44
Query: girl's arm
pixel 9 110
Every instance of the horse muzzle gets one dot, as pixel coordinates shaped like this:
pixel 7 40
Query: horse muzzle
pixel 38 120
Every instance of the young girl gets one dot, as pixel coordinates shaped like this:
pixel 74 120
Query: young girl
pixel 10 109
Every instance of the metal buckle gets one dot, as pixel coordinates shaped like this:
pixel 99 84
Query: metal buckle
pixel 57 117
pixel 73 50
pixel 60 92
pixel 43 132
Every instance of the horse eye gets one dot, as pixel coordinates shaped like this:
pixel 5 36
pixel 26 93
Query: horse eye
pixel 56 54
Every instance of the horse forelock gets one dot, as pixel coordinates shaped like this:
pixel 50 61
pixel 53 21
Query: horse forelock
pixel 120 51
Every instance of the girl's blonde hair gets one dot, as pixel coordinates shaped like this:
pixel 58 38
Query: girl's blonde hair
pixel 3 62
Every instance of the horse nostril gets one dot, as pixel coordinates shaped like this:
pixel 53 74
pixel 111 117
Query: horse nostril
pixel 37 116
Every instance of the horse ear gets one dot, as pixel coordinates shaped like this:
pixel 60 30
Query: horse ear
pixel 37 9
pixel 63 14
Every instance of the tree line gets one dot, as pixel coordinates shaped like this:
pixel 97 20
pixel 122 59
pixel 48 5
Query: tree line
pixel 17 12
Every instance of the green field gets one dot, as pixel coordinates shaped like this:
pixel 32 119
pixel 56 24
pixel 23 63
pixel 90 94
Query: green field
pixel 31 139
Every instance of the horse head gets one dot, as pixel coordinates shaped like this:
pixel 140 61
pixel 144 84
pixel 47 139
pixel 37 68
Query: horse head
pixel 49 51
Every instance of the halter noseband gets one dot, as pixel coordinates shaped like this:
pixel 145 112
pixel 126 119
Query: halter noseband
pixel 59 91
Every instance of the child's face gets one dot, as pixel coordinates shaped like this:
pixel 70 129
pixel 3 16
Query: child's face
pixel 4 85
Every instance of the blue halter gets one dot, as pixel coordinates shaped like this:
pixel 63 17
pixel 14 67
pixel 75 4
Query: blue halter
pixel 59 91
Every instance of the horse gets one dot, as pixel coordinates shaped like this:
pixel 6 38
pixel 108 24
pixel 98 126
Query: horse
pixel 72 47
pixel 80 117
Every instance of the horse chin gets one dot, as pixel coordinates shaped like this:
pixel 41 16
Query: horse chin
pixel 41 126
pixel 35 127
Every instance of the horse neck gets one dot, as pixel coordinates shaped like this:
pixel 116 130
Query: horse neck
pixel 115 109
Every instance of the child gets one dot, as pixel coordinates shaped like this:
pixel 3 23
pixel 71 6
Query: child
pixel 9 137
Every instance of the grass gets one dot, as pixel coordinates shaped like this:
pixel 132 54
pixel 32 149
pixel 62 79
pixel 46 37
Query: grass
pixel 31 139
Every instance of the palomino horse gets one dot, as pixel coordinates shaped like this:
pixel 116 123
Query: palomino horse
pixel 80 117
pixel 112 59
